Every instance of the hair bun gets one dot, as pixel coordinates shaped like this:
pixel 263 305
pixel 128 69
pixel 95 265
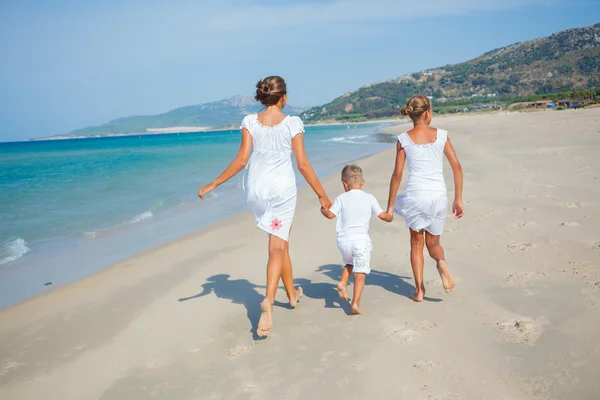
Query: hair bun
pixel 270 90
pixel 406 110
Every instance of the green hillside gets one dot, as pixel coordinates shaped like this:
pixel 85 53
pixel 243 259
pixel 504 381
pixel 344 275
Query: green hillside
pixel 563 61
pixel 216 114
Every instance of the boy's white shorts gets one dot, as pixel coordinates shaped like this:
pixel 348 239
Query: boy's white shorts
pixel 358 254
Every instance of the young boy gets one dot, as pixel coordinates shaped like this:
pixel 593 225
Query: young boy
pixel 353 210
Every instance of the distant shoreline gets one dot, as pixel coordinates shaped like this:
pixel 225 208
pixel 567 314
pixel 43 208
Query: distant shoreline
pixel 197 129
pixel 204 129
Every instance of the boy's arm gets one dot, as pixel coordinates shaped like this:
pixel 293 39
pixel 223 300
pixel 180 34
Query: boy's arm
pixel 377 210
pixel 384 216
pixel 327 214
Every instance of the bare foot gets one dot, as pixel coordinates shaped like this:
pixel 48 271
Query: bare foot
pixel 355 309
pixel 266 319
pixel 341 288
pixel 419 294
pixel 297 294
pixel 447 278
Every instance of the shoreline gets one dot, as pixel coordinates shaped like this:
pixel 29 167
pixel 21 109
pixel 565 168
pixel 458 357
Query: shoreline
pixel 53 277
pixel 186 130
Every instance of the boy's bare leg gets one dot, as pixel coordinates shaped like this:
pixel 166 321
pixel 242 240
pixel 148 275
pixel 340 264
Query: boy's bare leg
pixel 359 285
pixel 274 269
pixel 287 277
pixel 417 262
pixel 436 251
pixel 341 287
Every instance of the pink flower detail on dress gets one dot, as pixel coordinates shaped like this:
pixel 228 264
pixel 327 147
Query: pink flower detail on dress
pixel 276 224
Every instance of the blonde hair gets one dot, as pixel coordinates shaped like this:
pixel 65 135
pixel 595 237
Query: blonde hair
pixel 416 106
pixel 352 175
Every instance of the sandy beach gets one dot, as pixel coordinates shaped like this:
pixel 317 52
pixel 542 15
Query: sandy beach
pixel 178 321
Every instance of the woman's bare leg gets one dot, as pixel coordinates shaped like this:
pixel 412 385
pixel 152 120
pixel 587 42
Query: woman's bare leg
pixel 274 270
pixel 417 262
pixel 287 277
pixel 436 251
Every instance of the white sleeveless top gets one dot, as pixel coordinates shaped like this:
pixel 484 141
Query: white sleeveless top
pixel 425 164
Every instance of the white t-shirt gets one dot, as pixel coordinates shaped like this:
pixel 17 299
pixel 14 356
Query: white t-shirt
pixel 353 210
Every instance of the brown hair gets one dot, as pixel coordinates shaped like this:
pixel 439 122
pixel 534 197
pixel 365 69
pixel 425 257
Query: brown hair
pixel 270 90
pixel 352 175
pixel 416 106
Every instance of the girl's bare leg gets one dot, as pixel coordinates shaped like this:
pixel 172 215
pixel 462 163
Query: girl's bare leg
pixel 417 242
pixel 359 285
pixel 274 270
pixel 436 251
pixel 341 287
pixel 287 277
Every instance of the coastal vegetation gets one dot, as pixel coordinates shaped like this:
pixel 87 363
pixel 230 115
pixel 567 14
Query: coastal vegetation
pixel 563 65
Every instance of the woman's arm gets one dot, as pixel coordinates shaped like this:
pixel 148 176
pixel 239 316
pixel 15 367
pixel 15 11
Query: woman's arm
pixel 396 177
pixel 457 208
pixel 239 163
pixel 307 170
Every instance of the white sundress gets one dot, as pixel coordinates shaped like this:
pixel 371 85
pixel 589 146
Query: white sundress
pixel 424 206
pixel 271 184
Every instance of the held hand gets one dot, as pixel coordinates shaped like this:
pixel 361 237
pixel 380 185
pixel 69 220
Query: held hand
pixel 206 189
pixel 325 202
pixel 457 209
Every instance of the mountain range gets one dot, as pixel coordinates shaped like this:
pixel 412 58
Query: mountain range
pixel 221 113
pixel 566 60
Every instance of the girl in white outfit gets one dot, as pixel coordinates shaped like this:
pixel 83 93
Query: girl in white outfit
pixel 271 137
pixel 424 206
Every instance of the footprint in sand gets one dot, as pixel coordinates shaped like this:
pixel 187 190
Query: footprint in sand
pixel 572 224
pixel 446 396
pixel 8 366
pixel 579 269
pixel 426 365
pixel 237 350
pixel 521 278
pixel 594 246
pixel 523 330
pixel 523 224
pixel 592 293
pixel 408 334
pixel 521 246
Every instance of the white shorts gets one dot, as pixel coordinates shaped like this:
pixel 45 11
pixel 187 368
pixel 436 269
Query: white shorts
pixel 358 254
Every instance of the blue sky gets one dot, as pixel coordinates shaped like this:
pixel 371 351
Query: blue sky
pixel 70 64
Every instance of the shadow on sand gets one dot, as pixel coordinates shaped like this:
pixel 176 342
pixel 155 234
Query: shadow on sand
pixel 238 291
pixel 392 283
pixel 241 291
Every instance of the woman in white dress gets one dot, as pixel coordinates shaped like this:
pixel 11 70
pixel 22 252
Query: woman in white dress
pixel 424 206
pixel 268 139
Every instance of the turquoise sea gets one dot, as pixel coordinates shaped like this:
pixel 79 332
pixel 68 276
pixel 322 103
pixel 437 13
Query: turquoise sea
pixel 71 207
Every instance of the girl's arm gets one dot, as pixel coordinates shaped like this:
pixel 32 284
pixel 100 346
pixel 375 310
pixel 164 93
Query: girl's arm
pixel 239 163
pixel 457 208
pixel 307 171
pixel 396 177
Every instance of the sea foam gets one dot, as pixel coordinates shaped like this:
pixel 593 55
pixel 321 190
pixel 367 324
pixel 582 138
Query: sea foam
pixel 142 217
pixel 13 250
